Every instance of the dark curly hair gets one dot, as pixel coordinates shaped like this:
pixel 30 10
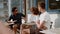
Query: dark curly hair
pixel 35 10
pixel 42 5
pixel 13 9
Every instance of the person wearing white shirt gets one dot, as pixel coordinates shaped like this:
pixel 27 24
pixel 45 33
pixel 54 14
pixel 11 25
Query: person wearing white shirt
pixel 34 16
pixel 44 19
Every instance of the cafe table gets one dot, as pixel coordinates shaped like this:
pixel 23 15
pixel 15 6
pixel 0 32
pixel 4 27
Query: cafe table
pixel 25 28
pixel 8 23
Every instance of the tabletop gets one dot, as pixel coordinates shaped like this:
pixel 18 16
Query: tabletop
pixel 52 31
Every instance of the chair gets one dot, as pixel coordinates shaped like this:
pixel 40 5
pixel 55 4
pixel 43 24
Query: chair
pixel 51 25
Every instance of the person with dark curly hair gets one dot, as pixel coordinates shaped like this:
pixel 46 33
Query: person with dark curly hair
pixel 33 17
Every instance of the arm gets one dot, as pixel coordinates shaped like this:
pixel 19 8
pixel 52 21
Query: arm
pixel 40 25
pixel 10 18
pixel 23 17
pixel 41 21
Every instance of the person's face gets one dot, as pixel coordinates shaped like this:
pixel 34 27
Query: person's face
pixel 31 10
pixel 15 12
pixel 39 8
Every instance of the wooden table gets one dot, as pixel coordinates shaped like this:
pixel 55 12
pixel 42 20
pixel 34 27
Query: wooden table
pixel 7 23
pixel 52 31
pixel 25 28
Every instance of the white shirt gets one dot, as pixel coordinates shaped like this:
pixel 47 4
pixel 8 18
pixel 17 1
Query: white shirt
pixel 45 17
pixel 31 18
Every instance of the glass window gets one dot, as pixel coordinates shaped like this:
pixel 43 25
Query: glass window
pixel 3 9
pixel 29 4
pixel 54 4
pixel 15 3
pixel 41 0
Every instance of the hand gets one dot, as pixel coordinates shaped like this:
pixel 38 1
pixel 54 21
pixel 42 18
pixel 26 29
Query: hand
pixel 44 27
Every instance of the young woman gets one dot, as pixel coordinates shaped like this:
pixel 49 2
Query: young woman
pixel 34 16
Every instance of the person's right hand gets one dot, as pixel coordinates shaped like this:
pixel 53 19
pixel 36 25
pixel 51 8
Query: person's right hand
pixel 44 27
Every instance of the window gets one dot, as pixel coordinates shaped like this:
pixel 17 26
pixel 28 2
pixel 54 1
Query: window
pixel 29 4
pixel 54 4
pixel 15 3
pixel 41 0
pixel 3 9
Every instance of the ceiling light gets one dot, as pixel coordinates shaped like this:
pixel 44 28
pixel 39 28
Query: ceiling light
pixel 57 0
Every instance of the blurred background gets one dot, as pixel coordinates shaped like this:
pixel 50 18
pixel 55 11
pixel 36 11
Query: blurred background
pixel 52 6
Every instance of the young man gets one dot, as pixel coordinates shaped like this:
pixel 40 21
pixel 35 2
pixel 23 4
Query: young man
pixel 44 19
pixel 16 16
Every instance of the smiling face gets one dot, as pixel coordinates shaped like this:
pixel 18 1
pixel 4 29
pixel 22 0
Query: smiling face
pixel 15 12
